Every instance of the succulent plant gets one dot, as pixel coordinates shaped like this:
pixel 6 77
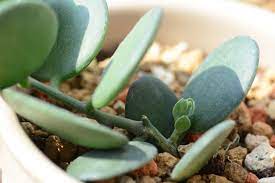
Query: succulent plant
pixel 56 40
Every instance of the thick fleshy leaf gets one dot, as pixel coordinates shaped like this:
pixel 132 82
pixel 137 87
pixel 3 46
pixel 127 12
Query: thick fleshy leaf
pixel 184 107
pixel 222 81
pixel 100 165
pixel 28 30
pixel 126 58
pixel 82 28
pixel 149 96
pixel 202 150
pixel 78 130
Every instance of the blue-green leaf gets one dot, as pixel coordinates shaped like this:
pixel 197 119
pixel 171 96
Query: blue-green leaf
pixel 126 58
pixel 28 31
pixel 202 150
pixel 82 29
pixel 100 165
pixel 76 129
pixel 222 81
pixel 149 96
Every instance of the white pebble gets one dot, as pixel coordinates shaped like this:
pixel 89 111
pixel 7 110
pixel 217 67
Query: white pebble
pixel 253 141
pixel 261 158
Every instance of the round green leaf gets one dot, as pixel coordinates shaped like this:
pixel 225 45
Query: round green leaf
pixel 222 81
pixel 126 58
pixel 182 124
pixel 183 107
pixel 202 150
pixel 149 96
pixel 82 28
pixel 28 30
pixel 99 165
pixel 78 130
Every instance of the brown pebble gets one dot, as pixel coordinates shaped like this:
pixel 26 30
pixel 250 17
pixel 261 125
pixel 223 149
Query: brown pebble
pixel 235 172
pixel 237 154
pixel 259 128
pixel 52 147
pixel 257 114
pixel 196 179
pixel 166 163
pixel 251 178
pixel 126 179
pixel 182 149
pixel 67 151
pixel 243 118
pixel 212 178
pixel 216 164
pixel 28 127
pixel 150 169
pixel 146 179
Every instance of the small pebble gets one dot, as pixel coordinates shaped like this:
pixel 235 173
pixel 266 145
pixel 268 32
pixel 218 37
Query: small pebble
pixel 243 118
pixel 216 164
pixel 189 61
pixel 67 151
pixel 212 178
pixel 251 178
pixel 260 128
pixel 150 169
pixel 252 141
pixel 257 114
pixel 52 147
pixel 237 154
pixel 260 158
pixel 146 179
pixel 163 74
pixel 235 172
pixel 196 179
pixel 271 109
pixel 166 163
pixel 182 149
pixel 28 128
pixel 126 179
pixel 267 180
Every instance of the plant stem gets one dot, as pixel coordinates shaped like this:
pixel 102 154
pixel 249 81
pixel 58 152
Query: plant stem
pixel 58 95
pixel 158 137
pixel 135 127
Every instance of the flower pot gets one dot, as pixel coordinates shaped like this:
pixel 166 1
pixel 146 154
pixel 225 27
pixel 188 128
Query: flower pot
pixel 202 24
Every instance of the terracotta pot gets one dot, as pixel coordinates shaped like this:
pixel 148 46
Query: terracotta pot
pixel 203 24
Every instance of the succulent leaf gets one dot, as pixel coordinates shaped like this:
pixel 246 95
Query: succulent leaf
pixel 222 81
pixel 149 96
pixel 182 124
pixel 183 107
pixel 78 130
pixel 126 58
pixel 100 165
pixel 202 150
pixel 82 29
pixel 27 34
